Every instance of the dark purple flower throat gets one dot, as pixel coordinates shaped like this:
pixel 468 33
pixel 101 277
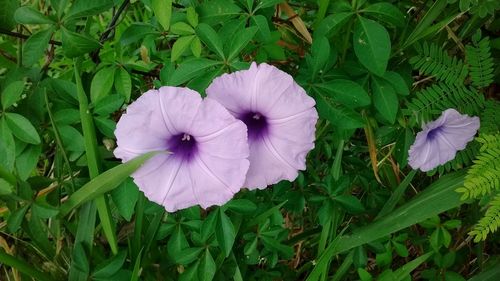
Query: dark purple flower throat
pixel 256 124
pixel 182 145
pixel 432 134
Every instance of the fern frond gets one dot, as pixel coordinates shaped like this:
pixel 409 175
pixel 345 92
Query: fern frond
pixel 489 223
pixel 490 118
pixel 480 63
pixel 432 100
pixel 484 176
pixel 433 61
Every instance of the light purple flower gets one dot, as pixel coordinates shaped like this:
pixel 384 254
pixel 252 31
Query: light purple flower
pixel 208 148
pixel 280 117
pixel 440 140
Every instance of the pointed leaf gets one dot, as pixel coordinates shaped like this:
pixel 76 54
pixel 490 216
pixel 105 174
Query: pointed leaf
pixel 22 128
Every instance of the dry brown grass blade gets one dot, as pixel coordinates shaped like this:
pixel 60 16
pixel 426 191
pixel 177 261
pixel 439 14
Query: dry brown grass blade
pixel 372 149
pixel 297 22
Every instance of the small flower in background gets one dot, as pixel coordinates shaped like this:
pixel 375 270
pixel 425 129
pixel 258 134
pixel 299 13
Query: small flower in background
pixel 208 148
pixel 280 117
pixel 440 140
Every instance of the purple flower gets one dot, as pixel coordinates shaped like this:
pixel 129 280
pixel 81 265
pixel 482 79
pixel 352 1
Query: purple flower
pixel 280 117
pixel 208 148
pixel 440 140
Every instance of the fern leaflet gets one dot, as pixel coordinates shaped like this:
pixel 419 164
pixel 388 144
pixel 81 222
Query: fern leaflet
pixel 480 63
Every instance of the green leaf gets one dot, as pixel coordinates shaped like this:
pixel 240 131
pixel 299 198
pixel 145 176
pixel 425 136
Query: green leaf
pixel 350 203
pixel 108 105
pixel 163 12
pixel 123 83
pixel 372 45
pixel 12 94
pixel 29 15
pixel 27 160
pixel 136 32
pixel 188 255
pixel 105 125
pixel 339 116
pixel 180 46
pixel 397 82
pixel 320 53
pixel 210 38
pixel 196 47
pixel 125 198
pixel 85 8
pixel 103 183
pixel 9 7
pixel 240 41
pixel 332 24
pixel 435 199
pixel 71 138
pixel 108 268
pixel 386 12
pixel 206 270
pixel 192 16
pixel 189 70
pixel 35 46
pixel 261 22
pixel 5 187
pixel 346 92
pixel 181 28
pixel 102 83
pixel 243 206
pixel 385 99
pixel 22 266
pixel 22 128
pixel 75 44
pixel 16 218
pixel 225 233
pixel 7 146
pixel 218 11
pixel 67 116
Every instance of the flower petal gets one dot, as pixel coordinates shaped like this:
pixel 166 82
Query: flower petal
pixel 179 106
pixel 141 128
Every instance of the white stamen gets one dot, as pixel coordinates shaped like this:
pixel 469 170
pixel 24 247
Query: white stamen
pixel 256 116
pixel 186 137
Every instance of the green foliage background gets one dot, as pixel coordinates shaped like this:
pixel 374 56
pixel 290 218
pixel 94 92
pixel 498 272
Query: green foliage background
pixel 378 71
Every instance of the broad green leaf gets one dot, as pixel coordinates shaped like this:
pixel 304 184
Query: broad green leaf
pixel 102 83
pixel 103 183
pixel 123 83
pixel 5 187
pixel 403 143
pixel 423 24
pixel 29 15
pixel 332 24
pixel 350 203
pixel 218 11
pixel 85 8
pixel 339 116
pixel 12 93
pixel 35 46
pixel 196 47
pixel 207 268
pixel 16 218
pixel 188 255
pixel 44 210
pixel 27 160
pixel 386 12
pixel 59 6
pixel 372 45
pixel 385 99
pixel 75 44
pixel 189 70
pixel 261 22
pixel 225 233
pixel 108 105
pixel 105 125
pixel 320 53
pixel 125 197
pixel 9 7
pixel 7 146
pixel 192 16
pixel 240 41
pixel 67 116
pixel 397 82
pixel 71 138
pixel 108 268
pixel 435 199
pixel 180 46
pixel 210 38
pixel 136 32
pixel 181 28
pixel 346 92
pixel 243 206
pixel 163 12
pixel 22 128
